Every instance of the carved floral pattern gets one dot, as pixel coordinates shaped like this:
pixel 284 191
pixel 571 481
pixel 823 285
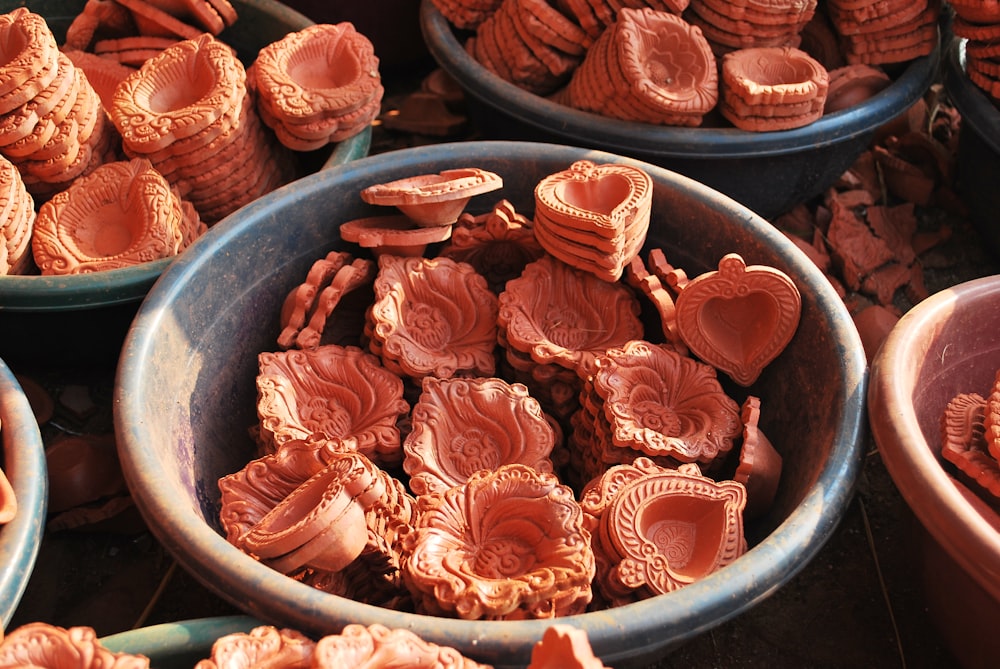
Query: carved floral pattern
pixel 47 646
pixel 262 646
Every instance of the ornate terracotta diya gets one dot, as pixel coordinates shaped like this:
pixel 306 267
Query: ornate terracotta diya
pixel 964 445
pixel 335 393
pixel 657 529
pixel 892 31
pixel 759 468
pixel 648 66
pixel 433 317
pixel 730 26
pixel 433 199
pixel 517 535
pixel 44 645
pixel 189 112
pixel 738 318
pixel 261 645
pixel 498 244
pixel 17 222
pixel 121 214
pixel 594 217
pixel 772 88
pixel 460 426
pixel 318 85
pixel 394 235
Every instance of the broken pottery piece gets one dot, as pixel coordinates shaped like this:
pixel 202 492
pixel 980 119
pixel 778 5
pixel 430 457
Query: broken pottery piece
pixel 433 199
pixel 460 426
pixel 39 644
pixel 759 468
pixel 433 317
pixel 264 645
pixel 739 318
pixel 397 235
pixel 320 524
pixel 499 244
pixel 594 217
pixel 492 515
pixel 659 403
pixel 564 316
pixel 123 213
pixel 666 528
pixel 336 393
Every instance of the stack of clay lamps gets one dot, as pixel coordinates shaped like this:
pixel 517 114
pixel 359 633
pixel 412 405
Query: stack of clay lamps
pixel 772 88
pixel 432 317
pixel 649 66
pixel 125 28
pixel 466 14
pixel 594 217
pixel 17 219
pixel 317 86
pixel 877 32
pixel 554 320
pixel 687 416
pixel 979 24
pixel 121 214
pixel 52 123
pixel 627 511
pixel 103 74
pixel 547 577
pixel 188 111
pixel 738 24
pixel 530 44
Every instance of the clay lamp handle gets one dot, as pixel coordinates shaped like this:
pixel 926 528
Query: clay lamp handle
pixel 319 524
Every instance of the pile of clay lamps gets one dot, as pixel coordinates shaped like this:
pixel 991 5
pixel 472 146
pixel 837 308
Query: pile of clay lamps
pixel 884 31
pixel 203 136
pixel 729 25
pixel 18 221
pixel 121 214
pixel 52 124
pixel 772 88
pixel 318 85
pixel 979 24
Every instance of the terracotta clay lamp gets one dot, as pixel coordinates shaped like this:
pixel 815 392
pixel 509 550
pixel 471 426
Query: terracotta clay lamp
pixel 433 317
pixel 261 645
pixel 594 217
pixel 433 199
pixel 731 26
pixel 121 214
pixel 335 393
pixel 347 279
pixel 317 85
pixel 739 317
pixel 17 220
pixel 648 66
pixel 772 88
pixel 460 426
pixel 395 235
pixel 499 244
pixel 39 644
pixel 759 468
pixel 891 31
pixel 659 529
pixel 493 514
pixel 964 445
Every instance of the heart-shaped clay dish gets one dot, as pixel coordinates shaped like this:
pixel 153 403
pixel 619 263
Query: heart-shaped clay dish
pixel 739 318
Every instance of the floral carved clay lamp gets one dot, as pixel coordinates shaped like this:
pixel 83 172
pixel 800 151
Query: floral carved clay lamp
pixel 433 199
pixel 460 426
pixel 42 645
pixel 517 539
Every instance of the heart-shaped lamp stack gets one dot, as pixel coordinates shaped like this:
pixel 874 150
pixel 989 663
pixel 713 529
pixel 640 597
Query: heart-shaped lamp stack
pixel 189 112
pixel 772 88
pixel 594 217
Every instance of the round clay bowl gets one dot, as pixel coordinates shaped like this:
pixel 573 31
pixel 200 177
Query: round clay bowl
pixel 945 345
pixel 261 22
pixel 180 427
pixel 24 466
pixel 769 172
pixel 978 145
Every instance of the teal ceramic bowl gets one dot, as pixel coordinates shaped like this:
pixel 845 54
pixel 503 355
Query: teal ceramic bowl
pixel 178 645
pixel 185 397
pixel 24 466
pixel 260 22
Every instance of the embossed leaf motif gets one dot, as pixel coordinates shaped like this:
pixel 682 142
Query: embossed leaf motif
pixel 460 426
pixel 505 541
pixel 434 317
pixel 739 318
pixel 661 403
pixel 262 646
pixel 332 392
